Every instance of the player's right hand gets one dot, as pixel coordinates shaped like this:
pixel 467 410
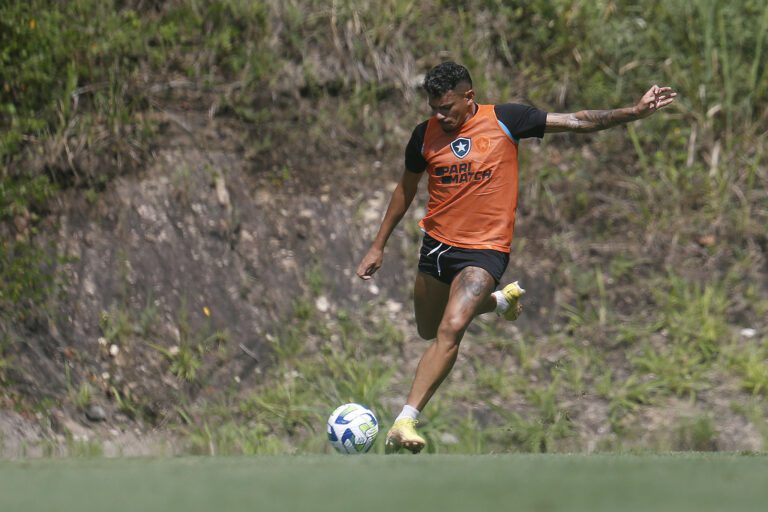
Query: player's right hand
pixel 370 263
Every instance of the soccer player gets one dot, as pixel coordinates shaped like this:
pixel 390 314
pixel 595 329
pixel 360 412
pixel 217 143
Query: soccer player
pixel 469 151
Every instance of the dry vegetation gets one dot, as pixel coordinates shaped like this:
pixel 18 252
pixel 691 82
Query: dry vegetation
pixel 645 247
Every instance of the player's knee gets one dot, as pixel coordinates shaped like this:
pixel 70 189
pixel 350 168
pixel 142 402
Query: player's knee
pixel 451 329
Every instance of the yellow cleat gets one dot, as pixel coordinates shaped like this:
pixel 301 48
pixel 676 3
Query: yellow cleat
pixel 403 435
pixel 512 292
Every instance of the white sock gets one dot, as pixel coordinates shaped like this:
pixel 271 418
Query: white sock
pixel 501 302
pixel 408 412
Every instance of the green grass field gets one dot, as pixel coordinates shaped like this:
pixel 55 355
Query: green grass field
pixel 625 483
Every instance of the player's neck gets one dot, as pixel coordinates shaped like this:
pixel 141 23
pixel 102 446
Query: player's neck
pixel 470 114
pixel 472 111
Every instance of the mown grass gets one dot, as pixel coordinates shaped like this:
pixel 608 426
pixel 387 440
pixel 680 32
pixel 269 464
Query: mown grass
pixel 692 482
pixel 656 232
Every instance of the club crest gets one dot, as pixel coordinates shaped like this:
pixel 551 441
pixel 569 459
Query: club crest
pixel 461 147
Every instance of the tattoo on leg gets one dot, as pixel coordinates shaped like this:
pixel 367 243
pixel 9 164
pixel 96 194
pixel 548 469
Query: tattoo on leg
pixel 474 281
pixel 471 282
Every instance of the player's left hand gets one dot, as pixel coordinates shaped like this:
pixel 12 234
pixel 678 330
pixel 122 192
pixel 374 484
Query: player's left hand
pixel 656 98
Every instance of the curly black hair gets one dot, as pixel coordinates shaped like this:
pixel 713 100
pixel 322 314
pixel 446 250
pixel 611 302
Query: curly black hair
pixel 445 77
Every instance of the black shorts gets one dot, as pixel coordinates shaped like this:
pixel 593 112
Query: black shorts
pixel 443 261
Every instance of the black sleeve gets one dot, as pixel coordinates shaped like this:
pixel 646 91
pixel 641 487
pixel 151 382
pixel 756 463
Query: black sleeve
pixel 414 160
pixel 522 121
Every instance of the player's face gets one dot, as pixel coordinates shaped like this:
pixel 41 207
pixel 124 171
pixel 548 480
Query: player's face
pixel 453 108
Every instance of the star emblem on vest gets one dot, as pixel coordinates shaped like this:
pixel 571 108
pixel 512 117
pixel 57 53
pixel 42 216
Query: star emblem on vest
pixel 461 147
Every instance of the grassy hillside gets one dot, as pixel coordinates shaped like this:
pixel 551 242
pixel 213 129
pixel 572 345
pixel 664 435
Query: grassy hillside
pixel 644 247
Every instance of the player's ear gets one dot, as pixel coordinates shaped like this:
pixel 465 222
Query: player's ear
pixel 469 95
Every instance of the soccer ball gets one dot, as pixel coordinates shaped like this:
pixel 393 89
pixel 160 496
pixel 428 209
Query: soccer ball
pixel 352 428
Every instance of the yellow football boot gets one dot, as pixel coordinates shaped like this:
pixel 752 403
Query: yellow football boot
pixel 512 292
pixel 403 435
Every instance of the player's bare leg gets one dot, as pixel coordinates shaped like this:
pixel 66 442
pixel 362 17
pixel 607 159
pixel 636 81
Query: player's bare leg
pixel 469 292
pixel 430 296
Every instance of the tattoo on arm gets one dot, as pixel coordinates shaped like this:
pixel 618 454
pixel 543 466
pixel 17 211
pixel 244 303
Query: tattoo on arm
pixel 587 121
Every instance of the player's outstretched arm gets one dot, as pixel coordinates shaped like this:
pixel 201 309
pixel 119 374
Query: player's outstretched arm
pixel 401 199
pixel 586 121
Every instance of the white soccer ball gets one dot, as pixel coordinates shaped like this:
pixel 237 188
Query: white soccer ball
pixel 352 429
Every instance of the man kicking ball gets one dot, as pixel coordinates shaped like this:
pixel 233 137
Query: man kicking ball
pixel 469 151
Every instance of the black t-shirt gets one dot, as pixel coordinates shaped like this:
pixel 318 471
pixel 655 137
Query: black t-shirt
pixel 521 121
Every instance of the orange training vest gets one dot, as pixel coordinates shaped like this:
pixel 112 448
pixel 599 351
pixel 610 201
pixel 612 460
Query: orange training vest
pixel 472 183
